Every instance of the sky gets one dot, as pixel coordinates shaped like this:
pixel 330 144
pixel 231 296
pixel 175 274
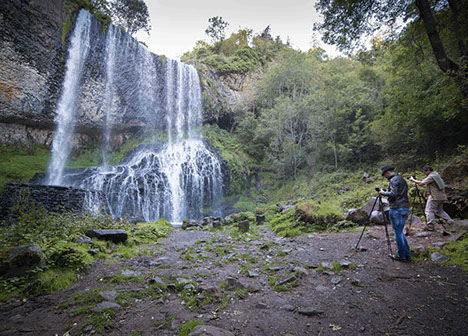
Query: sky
pixel 178 24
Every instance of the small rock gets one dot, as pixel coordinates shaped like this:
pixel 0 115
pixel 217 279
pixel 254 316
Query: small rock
pixel 109 295
pixel 362 248
pixel 438 244
pixel 253 274
pixel 322 289
pixel 287 251
pixel 216 224
pixel 437 257
pixel 118 255
pixel 244 225
pixel 327 265
pixel 233 283
pixel 93 251
pixel 336 280
pixel 261 305
pixel 275 269
pixel 287 280
pixel 106 305
pixel 130 273
pixel 300 270
pixel 356 282
pixel 423 234
pixel 260 219
pixel 264 247
pixel 206 330
pixel 309 311
pixel 457 236
pixel 84 240
pixel 157 280
pixel 346 263
pixel 288 307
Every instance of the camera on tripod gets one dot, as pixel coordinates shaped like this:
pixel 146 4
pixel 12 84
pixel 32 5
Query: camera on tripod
pixel 378 189
pixel 412 176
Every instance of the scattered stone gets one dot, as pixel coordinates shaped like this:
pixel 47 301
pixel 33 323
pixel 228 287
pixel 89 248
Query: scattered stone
pixel 22 259
pixel 115 236
pixel 84 240
pixel 275 268
pixel 253 274
pixel 157 280
pixel 420 250
pixel 438 257
pixel 158 262
pixel 356 282
pixel 321 249
pixel 327 265
pixel 130 273
pixel 288 307
pixel 93 251
pixel 260 219
pixel 287 280
pixel 329 273
pixel 206 330
pixel 310 311
pixel 336 280
pixel 109 295
pixel 105 305
pixel 322 289
pixel 287 251
pixel 283 208
pixel 261 305
pixel 216 224
pixel 189 223
pixel 183 281
pixel 300 270
pixel 233 283
pixel 118 255
pixel 345 263
pixel 457 236
pixel 244 225
pixel 439 244
pixel 264 247
pixel 423 234
pixel 362 248
pixel 414 220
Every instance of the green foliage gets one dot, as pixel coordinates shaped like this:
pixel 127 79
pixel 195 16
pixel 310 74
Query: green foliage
pixel 20 165
pixel 216 29
pixel 187 327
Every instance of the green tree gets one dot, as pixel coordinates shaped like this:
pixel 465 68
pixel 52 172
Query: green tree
pixel 132 15
pixel 217 28
pixel 345 22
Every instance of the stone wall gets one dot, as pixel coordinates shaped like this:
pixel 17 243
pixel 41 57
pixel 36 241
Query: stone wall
pixel 51 198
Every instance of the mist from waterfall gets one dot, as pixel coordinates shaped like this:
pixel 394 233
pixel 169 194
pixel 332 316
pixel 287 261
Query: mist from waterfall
pixel 175 179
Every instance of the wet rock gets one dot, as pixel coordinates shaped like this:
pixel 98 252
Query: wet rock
pixel 310 311
pixel 106 305
pixel 109 295
pixel 206 330
pixel 244 225
pixel 115 236
pixel 22 259
pixel 189 223
pixel 438 257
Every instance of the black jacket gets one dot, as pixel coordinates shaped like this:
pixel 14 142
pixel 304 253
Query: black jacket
pixel 398 192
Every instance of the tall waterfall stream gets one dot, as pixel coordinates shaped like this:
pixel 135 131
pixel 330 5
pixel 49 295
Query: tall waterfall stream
pixel 175 179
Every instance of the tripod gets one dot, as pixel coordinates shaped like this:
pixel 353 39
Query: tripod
pixel 379 199
pixel 422 200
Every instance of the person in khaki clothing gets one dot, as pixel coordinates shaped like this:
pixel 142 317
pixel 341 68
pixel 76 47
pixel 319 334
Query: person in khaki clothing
pixel 436 191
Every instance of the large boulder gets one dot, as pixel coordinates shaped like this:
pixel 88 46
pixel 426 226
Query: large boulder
pixel 377 217
pixel 358 216
pixel 305 211
pixel 454 176
pixel 19 260
pixel 373 205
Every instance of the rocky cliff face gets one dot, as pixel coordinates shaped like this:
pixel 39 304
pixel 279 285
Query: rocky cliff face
pixel 31 68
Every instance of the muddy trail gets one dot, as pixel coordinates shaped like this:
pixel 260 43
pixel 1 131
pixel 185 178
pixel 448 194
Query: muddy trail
pixel 255 284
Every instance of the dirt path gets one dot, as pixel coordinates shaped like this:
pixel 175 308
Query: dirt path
pixel 257 284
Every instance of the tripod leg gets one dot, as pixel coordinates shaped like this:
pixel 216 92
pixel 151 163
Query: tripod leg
pixel 408 229
pixel 386 229
pixel 365 225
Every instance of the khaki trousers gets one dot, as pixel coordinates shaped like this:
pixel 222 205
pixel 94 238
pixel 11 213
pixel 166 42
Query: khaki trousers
pixel 435 208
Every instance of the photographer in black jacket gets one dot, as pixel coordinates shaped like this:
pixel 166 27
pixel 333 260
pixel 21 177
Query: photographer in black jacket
pixel 399 210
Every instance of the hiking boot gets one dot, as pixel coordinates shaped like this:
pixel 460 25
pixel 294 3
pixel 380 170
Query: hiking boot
pixel 398 258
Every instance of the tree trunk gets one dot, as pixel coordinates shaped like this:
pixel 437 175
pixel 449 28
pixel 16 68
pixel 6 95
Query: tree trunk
pixel 449 67
pixel 459 34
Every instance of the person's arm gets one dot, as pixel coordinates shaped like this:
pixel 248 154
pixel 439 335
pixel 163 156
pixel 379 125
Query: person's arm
pixel 424 182
pixel 393 189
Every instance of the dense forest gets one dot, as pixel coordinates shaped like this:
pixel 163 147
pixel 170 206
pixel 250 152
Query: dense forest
pixel 388 103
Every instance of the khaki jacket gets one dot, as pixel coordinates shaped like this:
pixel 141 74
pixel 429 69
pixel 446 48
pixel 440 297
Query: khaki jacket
pixel 433 190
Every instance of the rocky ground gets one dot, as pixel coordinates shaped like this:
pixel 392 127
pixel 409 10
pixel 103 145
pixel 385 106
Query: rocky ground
pixel 256 283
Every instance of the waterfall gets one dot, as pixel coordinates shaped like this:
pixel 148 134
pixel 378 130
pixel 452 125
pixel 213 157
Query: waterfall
pixel 66 108
pixel 176 179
